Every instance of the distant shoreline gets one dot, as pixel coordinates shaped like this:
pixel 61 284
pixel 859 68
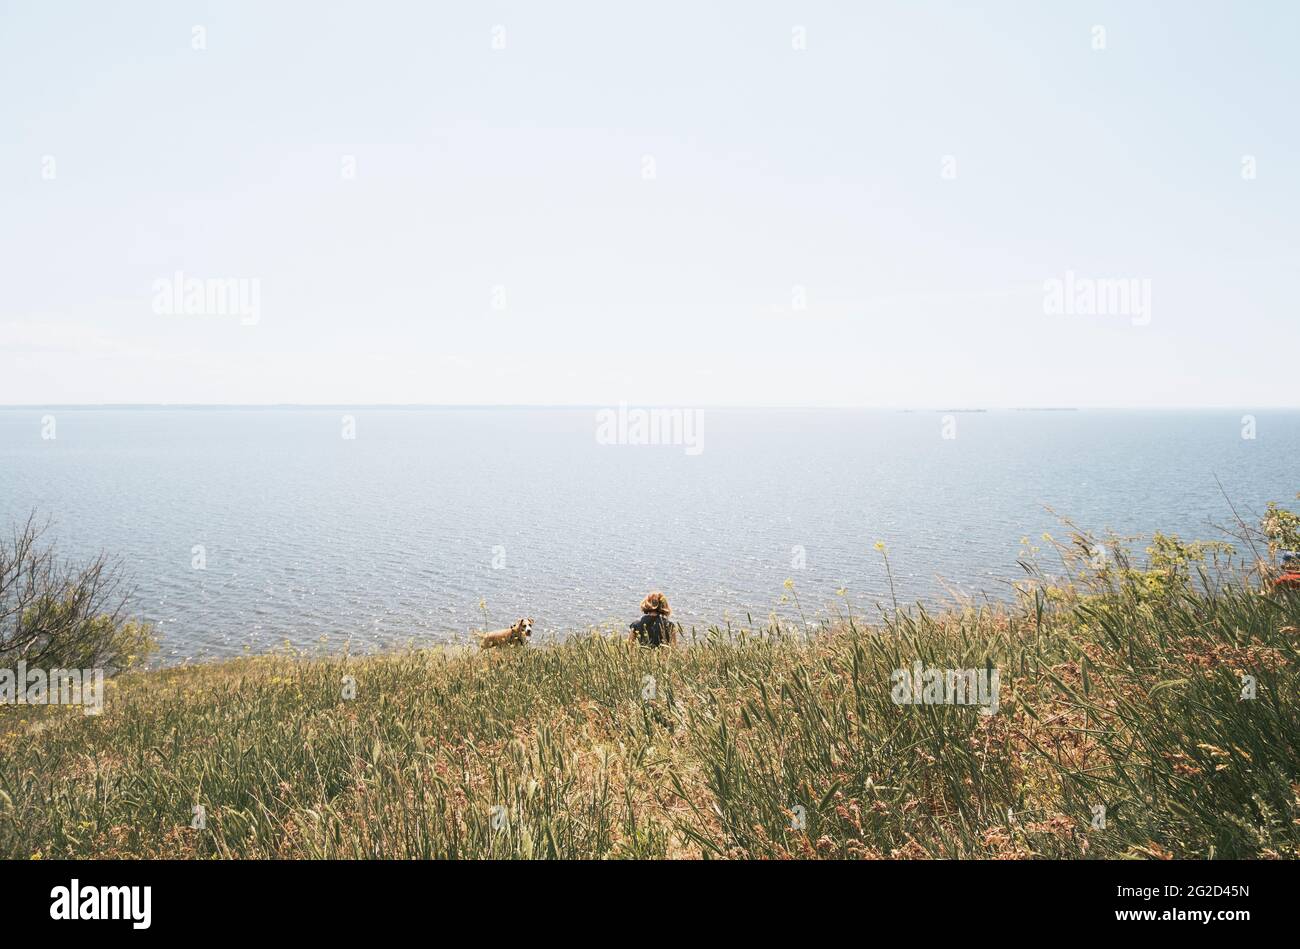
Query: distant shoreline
pixel 426 406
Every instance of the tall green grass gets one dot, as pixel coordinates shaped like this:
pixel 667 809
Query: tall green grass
pixel 1121 689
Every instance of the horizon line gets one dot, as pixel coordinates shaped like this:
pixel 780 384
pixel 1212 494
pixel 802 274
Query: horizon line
pixel 663 405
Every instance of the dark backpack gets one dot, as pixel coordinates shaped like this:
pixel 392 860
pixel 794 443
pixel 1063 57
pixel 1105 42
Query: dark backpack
pixel 653 630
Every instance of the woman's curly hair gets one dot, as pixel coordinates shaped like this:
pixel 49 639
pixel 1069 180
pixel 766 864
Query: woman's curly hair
pixel 656 603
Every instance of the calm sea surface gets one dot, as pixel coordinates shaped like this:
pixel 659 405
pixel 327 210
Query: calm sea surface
pixel 399 533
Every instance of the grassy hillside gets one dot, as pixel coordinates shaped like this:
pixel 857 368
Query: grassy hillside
pixel 1121 687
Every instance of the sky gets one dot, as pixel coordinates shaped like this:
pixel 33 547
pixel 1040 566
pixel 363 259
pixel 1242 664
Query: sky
pixel 740 203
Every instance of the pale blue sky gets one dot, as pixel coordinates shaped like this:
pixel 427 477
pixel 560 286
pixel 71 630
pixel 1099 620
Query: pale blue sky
pixel 521 168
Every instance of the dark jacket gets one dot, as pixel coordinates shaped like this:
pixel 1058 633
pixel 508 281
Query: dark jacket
pixel 654 630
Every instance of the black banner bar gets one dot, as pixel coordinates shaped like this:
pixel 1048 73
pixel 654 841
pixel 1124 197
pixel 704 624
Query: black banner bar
pixel 332 899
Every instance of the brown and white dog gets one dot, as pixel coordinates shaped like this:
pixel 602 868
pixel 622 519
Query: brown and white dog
pixel 516 635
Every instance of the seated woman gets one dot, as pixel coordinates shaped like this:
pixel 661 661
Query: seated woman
pixel 654 628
